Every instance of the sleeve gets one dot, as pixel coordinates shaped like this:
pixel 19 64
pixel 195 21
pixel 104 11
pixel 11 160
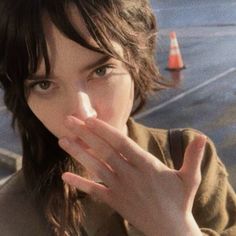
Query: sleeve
pixel 214 207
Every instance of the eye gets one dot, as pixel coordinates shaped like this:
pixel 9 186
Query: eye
pixel 41 87
pixel 103 71
pixel 44 85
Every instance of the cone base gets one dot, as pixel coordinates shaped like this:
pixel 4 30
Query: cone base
pixel 175 69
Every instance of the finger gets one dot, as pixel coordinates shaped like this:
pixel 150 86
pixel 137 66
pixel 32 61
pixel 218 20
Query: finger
pixel 104 151
pixel 191 169
pixel 93 165
pixel 121 143
pixel 90 187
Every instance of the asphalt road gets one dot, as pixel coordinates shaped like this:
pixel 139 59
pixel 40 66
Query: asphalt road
pixel 183 13
pixel 205 96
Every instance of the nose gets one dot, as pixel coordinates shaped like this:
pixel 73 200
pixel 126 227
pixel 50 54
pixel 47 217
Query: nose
pixel 82 107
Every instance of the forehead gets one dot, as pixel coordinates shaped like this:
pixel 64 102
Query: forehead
pixel 77 21
pixel 60 47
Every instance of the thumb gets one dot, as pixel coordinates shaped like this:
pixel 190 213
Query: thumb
pixel 191 168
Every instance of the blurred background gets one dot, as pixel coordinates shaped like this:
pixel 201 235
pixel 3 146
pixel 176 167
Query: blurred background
pixel 205 93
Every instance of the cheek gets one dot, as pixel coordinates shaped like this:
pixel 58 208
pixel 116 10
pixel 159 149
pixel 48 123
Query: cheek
pixel 48 115
pixel 41 109
pixel 116 102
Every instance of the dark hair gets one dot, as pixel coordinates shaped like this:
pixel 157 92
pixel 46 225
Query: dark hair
pixel 22 41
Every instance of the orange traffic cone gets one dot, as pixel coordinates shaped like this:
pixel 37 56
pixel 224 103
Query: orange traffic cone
pixel 175 61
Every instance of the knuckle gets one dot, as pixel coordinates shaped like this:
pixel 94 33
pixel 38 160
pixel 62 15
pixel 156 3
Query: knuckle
pixel 73 150
pixel 196 180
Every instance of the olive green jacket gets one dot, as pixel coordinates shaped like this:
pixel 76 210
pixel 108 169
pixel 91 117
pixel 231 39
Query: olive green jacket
pixel 214 207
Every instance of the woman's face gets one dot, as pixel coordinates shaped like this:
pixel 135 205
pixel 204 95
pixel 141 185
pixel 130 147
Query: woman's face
pixel 82 83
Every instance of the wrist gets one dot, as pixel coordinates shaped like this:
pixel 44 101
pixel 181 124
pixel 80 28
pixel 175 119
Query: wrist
pixel 187 226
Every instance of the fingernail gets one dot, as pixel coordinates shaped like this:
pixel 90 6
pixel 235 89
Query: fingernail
pixel 64 142
pixel 65 179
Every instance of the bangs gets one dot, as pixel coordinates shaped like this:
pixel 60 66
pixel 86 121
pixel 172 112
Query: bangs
pixel 58 14
pixel 25 42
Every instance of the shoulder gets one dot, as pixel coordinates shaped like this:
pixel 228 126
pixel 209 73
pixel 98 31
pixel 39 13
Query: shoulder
pixel 155 138
pixel 211 164
pixel 14 205
pixel 18 214
pixel 211 161
pixel 213 169
pixel 160 135
pixel 12 191
pixel 15 183
pixel 143 133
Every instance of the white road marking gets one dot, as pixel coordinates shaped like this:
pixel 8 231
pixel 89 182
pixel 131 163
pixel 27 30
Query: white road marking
pixel 10 159
pixel 3 180
pixel 181 95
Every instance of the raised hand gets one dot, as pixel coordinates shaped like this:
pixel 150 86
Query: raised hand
pixel 154 198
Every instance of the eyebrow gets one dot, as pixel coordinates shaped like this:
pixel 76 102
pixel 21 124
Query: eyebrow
pixel 98 62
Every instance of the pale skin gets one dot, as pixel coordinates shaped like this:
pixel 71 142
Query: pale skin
pixel 86 104
pixel 137 184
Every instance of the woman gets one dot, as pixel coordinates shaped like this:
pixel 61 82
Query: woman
pixel 73 73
